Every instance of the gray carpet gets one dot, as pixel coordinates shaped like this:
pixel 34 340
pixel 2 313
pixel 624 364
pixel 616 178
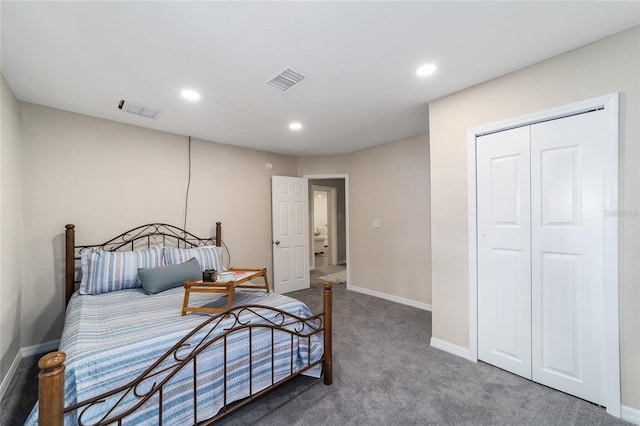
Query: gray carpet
pixel 384 373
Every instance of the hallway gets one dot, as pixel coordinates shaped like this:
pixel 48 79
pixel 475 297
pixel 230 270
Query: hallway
pixel 324 270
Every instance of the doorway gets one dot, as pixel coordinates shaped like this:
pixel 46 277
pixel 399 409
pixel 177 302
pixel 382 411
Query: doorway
pixel 328 223
pixel 324 219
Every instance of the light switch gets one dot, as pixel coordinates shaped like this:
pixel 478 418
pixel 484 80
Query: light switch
pixel 375 223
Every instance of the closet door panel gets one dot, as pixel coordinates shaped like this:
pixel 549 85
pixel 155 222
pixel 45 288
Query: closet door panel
pixel 504 273
pixel 566 254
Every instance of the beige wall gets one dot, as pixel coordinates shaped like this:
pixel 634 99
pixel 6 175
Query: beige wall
pixel 390 183
pixel 610 65
pixel 106 177
pixel 10 229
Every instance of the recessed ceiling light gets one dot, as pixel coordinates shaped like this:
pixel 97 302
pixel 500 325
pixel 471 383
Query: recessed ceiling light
pixel 295 126
pixel 426 70
pixel 190 95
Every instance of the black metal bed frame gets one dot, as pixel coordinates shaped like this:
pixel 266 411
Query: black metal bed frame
pixel 215 330
pixel 138 237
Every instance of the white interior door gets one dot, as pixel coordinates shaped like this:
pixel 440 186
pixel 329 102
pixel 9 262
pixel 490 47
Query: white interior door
pixel 504 251
pixel 567 254
pixel 540 192
pixel 290 214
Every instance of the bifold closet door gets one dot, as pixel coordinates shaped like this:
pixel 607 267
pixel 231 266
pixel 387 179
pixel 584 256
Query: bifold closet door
pixel 567 218
pixel 540 201
pixel 504 250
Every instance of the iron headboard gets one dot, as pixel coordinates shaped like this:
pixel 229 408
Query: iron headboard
pixel 143 236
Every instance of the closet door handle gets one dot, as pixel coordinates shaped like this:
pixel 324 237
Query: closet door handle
pixel 277 242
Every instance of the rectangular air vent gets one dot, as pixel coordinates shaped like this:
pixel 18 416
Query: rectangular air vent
pixel 287 79
pixel 138 109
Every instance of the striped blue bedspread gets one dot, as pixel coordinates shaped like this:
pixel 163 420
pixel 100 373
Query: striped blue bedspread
pixel 109 339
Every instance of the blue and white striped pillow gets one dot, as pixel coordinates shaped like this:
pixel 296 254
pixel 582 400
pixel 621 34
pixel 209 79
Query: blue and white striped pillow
pixel 208 257
pixel 105 271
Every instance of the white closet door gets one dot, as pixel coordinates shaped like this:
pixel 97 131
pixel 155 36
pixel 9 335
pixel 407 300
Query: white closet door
pixel 567 254
pixel 504 250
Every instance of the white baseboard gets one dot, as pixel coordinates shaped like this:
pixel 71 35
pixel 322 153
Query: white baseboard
pixel 10 373
pixel 452 349
pixel 392 298
pixel 40 349
pixel 629 414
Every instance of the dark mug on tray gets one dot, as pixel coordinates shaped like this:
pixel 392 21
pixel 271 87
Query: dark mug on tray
pixel 209 275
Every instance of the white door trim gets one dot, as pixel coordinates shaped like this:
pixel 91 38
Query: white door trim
pixel 612 352
pixel 346 213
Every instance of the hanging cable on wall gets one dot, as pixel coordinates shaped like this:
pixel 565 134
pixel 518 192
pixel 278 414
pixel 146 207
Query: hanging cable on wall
pixel 186 198
pixel 186 208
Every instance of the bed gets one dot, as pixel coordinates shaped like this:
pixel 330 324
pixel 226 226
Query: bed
pixel 127 356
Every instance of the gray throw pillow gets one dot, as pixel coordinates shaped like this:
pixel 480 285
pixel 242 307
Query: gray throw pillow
pixel 155 280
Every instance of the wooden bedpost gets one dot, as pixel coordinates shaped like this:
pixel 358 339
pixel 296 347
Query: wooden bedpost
pixel 51 389
pixel 328 372
pixel 218 234
pixel 69 259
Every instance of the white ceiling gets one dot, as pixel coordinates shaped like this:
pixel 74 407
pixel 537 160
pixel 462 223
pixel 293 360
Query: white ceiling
pixel 360 56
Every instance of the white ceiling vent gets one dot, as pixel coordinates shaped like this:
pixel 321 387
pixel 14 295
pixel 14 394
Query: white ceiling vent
pixel 287 79
pixel 139 109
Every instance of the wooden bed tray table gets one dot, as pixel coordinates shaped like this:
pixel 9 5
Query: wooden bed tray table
pixel 244 275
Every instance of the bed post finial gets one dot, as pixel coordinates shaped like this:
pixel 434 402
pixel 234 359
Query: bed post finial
pixel 70 261
pixel 51 389
pixel 328 372
pixel 218 234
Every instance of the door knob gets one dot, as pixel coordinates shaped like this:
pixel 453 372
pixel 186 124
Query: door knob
pixel 277 242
